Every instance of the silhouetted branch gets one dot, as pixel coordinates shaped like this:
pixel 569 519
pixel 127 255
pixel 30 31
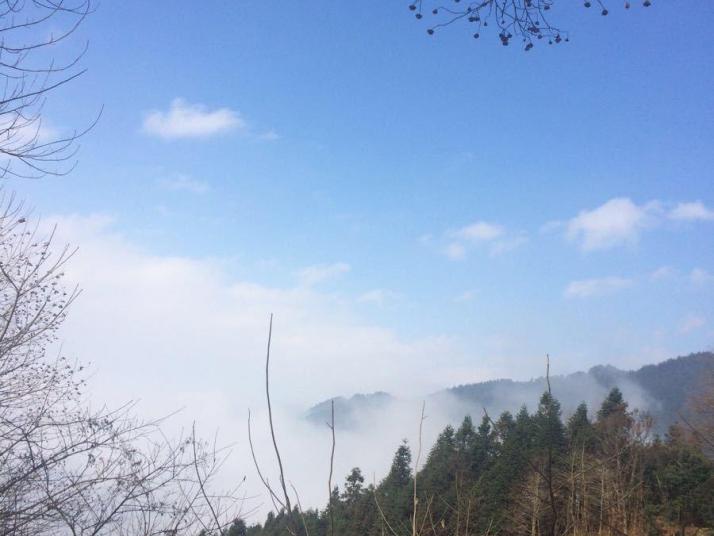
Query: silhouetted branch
pixel 28 148
pixel 526 20
pixel 331 426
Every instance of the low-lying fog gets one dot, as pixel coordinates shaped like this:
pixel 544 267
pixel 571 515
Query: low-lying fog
pixel 176 332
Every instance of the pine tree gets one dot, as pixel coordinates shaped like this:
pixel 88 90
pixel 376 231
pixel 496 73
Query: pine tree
pixel 550 430
pixel 514 438
pixel 613 404
pixel 481 450
pixel 353 486
pixel 465 435
pixel 237 528
pixel 550 447
pixel 437 475
pixel 394 493
pixel 680 482
pixel 580 431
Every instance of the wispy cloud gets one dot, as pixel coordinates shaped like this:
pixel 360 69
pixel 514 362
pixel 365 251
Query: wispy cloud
pixel 312 275
pixel 455 251
pixel 186 120
pixel 663 272
pixel 480 231
pixel 618 221
pixel 700 276
pixel 186 184
pixel 588 288
pixel 694 211
pixel 466 296
pixel 269 135
pixel 692 323
pixel 493 236
pixel 19 131
pixel 508 244
pixel 378 296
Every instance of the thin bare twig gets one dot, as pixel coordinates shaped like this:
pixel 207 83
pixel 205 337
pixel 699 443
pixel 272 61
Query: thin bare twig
pixel 331 426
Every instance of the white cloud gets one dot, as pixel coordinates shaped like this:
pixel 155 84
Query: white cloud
pixel 189 322
pixel 692 323
pixel 700 276
pixel 269 135
pixel 495 236
pixel 587 288
pixel 618 221
pixel 455 251
pixel 663 272
pixel 507 245
pixel 551 226
pixel 466 296
pixel 377 296
pixel 426 239
pixel 186 184
pixel 694 211
pixel 312 275
pixel 19 131
pixel 185 120
pixel 480 231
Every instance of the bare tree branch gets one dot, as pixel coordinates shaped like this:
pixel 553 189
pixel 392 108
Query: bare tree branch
pixel 525 20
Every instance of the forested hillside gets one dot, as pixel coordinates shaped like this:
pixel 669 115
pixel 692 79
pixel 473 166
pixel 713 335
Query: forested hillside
pixel 662 390
pixel 600 471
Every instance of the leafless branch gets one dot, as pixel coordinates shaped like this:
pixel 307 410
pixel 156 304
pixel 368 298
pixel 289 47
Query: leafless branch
pixel 524 20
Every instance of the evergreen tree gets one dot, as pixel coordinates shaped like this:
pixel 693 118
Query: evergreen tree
pixel 614 404
pixel 237 528
pixel 437 480
pixel 400 473
pixel 394 493
pixel 482 449
pixel 680 483
pixel 614 423
pixel 437 475
pixel 507 424
pixel 353 486
pixel 465 435
pixel 580 431
pixel 550 430
pixel 512 453
pixel 550 446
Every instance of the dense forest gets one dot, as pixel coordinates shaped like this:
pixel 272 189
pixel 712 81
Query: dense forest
pixel 528 473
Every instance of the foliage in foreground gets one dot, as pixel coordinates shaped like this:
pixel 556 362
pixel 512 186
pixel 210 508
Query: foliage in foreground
pixel 65 467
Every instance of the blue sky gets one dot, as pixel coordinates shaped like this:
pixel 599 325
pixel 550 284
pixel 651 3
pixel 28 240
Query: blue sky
pixel 494 203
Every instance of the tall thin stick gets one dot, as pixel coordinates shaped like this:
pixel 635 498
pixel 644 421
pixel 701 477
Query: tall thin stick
pixel 416 470
pixel 302 515
pixel 547 371
pixel 331 426
pixel 270 420
pixel 273 496
pixel 200 480
pixel 549 479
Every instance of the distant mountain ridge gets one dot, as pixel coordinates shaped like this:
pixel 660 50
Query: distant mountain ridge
pixel 346 409
pixel 661 389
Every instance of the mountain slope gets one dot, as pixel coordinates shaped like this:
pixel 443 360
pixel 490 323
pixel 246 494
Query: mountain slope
pixel 662 390
pixel 348 411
